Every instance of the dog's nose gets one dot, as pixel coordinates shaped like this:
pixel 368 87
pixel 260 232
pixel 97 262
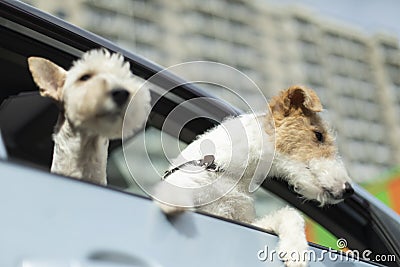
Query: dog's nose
pixel 120 96
pixel 347 190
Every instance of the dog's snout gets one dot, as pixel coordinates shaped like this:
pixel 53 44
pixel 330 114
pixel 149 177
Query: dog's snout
pixel 347 190
pixel 120 96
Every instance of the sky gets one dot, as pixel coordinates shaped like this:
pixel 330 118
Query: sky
pixel 370 15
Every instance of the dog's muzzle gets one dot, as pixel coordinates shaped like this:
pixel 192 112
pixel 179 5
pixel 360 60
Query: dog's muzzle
pixel 345 193
pixel 120 96
pixel 347 190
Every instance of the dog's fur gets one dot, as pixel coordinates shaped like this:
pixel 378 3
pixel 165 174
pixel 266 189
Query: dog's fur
pixel 305 156
pixel 93 96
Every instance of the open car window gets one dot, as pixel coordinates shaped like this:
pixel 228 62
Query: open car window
pixel 142 160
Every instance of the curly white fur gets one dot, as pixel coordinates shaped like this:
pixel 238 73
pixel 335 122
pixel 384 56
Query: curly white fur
pixel 89 114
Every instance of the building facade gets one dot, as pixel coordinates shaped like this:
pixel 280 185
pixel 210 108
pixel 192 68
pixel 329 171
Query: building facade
pixel 356 75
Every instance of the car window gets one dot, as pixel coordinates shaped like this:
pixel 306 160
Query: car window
pixel 143 159
pixel 146 156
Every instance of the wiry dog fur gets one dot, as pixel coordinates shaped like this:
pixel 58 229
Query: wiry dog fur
pixel 312 166
pixel 305 156
pixel 93 96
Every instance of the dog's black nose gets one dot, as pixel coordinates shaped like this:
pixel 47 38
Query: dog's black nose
pixel 120 96
pixel 348 190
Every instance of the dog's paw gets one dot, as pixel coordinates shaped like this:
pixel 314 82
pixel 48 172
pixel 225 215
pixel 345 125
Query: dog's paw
pixel 294 255
pixel 295 259
pixel 170 200
pixel 170 210
pixel 293 263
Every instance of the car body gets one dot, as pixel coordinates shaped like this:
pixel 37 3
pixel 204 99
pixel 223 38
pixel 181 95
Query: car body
pixel 51 220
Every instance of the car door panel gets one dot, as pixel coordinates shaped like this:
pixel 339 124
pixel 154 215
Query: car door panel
pixel 51 218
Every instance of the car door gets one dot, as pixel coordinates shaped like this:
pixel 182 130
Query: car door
pixel 49 220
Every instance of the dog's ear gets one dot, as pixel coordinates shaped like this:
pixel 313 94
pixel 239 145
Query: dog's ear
pixel 299 96
pixel 295 98
pixel 48 76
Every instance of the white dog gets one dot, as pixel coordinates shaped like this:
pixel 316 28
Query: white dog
pixel 217 172
pixel 93 98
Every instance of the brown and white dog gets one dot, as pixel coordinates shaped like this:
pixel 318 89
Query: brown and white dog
pixel 215 172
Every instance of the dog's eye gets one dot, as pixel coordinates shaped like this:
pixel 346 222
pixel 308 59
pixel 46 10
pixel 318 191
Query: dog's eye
pixel 319 136
pixel 85 77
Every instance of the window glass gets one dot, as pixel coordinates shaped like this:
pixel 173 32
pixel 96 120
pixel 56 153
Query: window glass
pixel 143 159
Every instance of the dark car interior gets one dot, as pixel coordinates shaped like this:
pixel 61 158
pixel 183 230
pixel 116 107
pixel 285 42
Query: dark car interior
pixel 26 119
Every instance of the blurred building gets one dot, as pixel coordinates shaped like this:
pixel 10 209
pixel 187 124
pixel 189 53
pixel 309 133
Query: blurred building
pixel 356 75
